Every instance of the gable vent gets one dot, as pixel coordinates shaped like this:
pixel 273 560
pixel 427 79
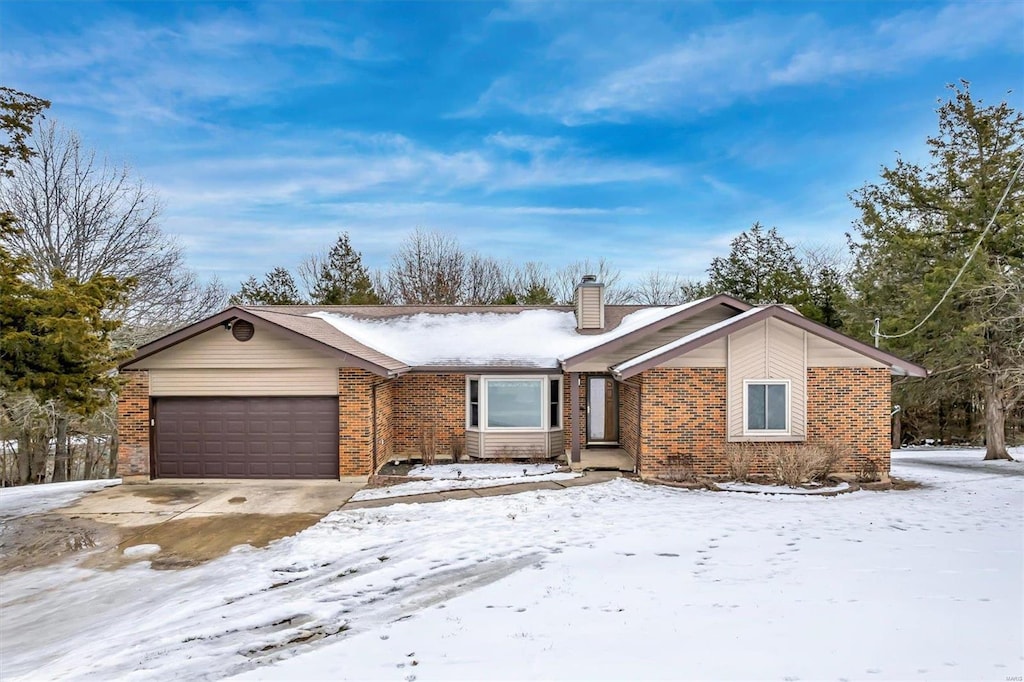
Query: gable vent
pixel 242 330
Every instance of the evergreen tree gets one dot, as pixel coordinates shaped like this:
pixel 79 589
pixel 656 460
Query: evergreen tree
pixel 761 268
pixel 918 226
pixel 55 342
pixel 828 297
pixel 536 294
pixel 277 288
pixel 340 278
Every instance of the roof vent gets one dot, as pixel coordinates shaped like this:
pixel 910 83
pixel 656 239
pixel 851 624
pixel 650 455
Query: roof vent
pixel 242 330
pixel 589 303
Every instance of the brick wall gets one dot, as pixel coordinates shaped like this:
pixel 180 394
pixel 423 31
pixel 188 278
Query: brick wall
pixel 385 421
pixel 355 421
pixel 850 407
pixel 425 403
pixel 629 415
pixel 133 425
pixel 683 422
pixel 581 418
pixel 684 419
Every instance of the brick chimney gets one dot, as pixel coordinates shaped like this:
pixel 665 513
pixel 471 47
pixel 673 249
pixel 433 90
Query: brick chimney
pixel 589 297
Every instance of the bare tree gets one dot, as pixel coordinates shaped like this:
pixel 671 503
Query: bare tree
pixel 80 218
pixel 484 280
pixel 531 283
pixel 663 288
pixel 566 279
pixel 429 267
pixel 83 215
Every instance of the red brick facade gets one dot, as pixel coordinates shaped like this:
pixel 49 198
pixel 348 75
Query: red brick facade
pixel 428 407
pixel 684 420
pixel 355 420
pixel 851 407
pixel 133 425
pixel 629 415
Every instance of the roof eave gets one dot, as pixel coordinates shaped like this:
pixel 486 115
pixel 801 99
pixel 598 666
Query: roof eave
pixel 682 315
pixel 235 312
pixel 896 364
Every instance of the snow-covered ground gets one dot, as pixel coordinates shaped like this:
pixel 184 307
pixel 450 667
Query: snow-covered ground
pixel 465 476
pixel 31 499
pixel 612 581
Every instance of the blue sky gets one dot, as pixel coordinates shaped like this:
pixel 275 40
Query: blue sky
pixel 648 133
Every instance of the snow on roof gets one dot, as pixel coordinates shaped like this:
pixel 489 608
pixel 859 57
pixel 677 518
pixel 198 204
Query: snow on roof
pixel 529 338
pixel 622 366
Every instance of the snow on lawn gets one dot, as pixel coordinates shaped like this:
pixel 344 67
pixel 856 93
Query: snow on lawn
pixel 464 476
pixel 735 487
pixel 612 581
pixel 31 499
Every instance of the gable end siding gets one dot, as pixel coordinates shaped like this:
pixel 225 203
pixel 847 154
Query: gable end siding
pixel 768 350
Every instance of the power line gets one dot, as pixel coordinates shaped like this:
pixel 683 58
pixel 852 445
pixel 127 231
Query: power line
pixel 879 335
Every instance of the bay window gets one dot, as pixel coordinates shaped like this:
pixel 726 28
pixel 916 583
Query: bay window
pixel 513 402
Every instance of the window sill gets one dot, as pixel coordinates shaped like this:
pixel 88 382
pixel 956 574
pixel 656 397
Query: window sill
pixel 773 438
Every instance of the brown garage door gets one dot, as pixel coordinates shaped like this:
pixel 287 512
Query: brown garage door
pixel 246 437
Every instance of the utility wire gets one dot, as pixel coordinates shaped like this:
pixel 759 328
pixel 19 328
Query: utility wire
pixel 963 269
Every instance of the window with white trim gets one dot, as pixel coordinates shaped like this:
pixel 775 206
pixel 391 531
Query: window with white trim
pixel 513 402
pixel 473 403
pixel 766 407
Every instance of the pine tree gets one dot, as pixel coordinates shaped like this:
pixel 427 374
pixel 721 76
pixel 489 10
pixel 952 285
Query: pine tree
pixel 761 268
pixel 277 288
pixel 341 278
pixel 56 343
pixel 917 228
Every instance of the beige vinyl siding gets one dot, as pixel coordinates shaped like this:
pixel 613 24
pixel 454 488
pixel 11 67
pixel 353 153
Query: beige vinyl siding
pixel 514 444
pixel 588 307
pixel 217 348
pixel 767 350
pixel 556 442
pixel 786 361
pixel 714 354
pixel 244 382
pixel 602 362
pixel 473 439
pixel 824 353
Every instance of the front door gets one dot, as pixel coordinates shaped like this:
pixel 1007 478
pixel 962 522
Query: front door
pixel 602 411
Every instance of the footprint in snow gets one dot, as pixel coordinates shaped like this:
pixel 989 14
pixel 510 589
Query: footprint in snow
pixel 666 554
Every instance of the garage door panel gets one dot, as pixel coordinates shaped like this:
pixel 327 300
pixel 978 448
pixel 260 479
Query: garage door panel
pixel 246 437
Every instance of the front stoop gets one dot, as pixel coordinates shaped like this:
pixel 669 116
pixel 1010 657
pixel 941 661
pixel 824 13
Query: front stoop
pixel 603 459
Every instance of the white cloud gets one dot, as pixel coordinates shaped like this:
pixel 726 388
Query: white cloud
pixel 146 73
pixel 711 67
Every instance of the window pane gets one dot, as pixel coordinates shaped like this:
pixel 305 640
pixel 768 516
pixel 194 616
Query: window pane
pixel 775 407
pixel 514 403
pixel 474 402
pixel 555 417
pixel 755 407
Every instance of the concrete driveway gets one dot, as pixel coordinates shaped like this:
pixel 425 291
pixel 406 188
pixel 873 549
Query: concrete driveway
pixel 163 500
pixel 171 524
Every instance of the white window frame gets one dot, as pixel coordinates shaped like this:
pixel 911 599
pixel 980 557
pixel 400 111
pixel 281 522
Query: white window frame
pixel 545 401
pixel 747 431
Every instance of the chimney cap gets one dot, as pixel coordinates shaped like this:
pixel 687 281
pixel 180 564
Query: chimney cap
pixel 588 279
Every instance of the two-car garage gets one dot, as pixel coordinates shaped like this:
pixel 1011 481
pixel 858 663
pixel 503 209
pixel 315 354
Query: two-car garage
pixel 245 437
